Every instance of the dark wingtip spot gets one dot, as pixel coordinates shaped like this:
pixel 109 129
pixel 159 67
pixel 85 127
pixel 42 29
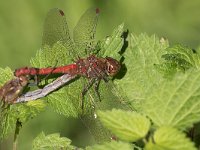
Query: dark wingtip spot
pixel 61 12
pixel 97 10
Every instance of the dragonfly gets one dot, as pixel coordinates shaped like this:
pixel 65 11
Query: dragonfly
pixel 92 67
pixel 13 88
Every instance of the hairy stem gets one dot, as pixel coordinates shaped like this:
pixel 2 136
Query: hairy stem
pixel 16 135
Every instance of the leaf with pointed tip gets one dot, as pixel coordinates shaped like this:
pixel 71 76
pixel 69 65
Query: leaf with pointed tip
pixel 128 126
pixel 168 138
pixel 51 141
pixel 111 45
pixel 175 102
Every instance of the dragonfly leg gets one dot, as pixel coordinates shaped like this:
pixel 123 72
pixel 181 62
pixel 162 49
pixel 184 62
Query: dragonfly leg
pixel 105 79
pixel 36 80
pixel 96 88
pixel 84 91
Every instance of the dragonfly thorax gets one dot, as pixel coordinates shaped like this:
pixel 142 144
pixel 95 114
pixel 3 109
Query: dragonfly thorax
pixel 93 67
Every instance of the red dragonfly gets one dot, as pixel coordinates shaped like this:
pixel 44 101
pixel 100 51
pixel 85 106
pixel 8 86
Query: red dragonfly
pixel 92 67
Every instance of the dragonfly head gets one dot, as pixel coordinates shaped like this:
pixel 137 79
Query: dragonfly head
pixel 113 66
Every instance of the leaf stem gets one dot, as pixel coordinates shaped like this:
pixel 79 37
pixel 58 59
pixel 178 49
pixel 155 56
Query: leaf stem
pixel 16 135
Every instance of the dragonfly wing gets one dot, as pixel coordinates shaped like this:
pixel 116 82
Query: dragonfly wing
pixel 85 30
pixel 96 128
pixel 56 29
pixel 110 98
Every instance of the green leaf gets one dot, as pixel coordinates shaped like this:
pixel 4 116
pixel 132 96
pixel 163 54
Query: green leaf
pixel 111 146
pixel 175 102
pixel 29 110
pixel 128 126
pixel 7 122
pixel 184 53
pixel 168 138
pixel 51 142
pixel 62 102
pixel 142 53
pixel 111 45
pixel 178 58
pixel 166 102
pixel 5 74
pixel 21 112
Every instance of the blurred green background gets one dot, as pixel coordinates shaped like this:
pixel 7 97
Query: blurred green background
pixel 21 25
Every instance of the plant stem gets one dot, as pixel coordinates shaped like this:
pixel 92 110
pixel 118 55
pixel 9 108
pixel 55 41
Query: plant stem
pixel 17 129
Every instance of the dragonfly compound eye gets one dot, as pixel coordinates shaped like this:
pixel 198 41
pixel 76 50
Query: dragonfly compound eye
pixel 113 66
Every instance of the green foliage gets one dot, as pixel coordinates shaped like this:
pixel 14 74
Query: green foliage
pixel 128 126
pixel 178 58
pixel 131 126
pixel 11 113
pixel 140 56
pixel 51 142
pixel 156 87
pixel 154 95
pixel 111 45
pixel 175 102
pixel 20 112
pixel 167 138
pixel 5 74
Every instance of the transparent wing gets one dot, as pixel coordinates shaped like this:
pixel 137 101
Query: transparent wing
pixel 56 29
pixel 84 31
pixel 109 100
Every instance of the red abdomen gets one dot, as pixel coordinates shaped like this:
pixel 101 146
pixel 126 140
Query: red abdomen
pixel 70 69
